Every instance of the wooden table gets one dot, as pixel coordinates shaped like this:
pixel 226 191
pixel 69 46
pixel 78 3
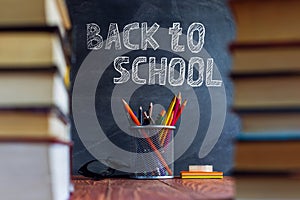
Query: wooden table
pixel 86 189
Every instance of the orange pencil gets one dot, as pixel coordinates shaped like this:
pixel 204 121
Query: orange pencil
pixel 132 115
pixel 153 147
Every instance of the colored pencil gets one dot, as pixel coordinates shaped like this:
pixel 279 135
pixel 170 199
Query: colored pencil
pixel 146 118
pixel 160 117
pixel 130 112
pixel 179 97
pixel 170 109
pixel 176 108
pixel 180 111
pixel 166 131
pixel 150 111
pixel 153 147
pixel 140 114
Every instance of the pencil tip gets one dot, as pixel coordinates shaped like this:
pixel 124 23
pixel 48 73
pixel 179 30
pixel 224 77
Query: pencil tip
pixel 185 101
pixel 179 97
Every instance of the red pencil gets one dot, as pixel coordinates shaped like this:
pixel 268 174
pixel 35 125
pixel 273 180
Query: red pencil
pixel 176 109
pixel 180 111
pixel 153 147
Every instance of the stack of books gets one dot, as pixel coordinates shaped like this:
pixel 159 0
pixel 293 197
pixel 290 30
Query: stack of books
pixel 34 104
pixel 266 77
pixel 201 172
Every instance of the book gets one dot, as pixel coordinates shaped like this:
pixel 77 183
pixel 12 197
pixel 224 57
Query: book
pixel 31 49
pixel 267 186
pixel 201 173
pixel 265 73
pixel 47 123
pixel 31 13
pixel 35 147
pixel 266 91
pixel 268 123
pixel 33 88
pixel 264 57
pixel 261 21
pixel 267 155
pixel 34 169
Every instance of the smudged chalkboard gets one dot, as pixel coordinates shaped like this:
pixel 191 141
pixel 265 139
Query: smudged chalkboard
pixel 204 138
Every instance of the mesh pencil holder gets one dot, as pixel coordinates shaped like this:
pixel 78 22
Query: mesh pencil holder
pixel 154 150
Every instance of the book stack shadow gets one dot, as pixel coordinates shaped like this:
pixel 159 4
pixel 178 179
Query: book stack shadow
pixel 266 77
pixel 35 142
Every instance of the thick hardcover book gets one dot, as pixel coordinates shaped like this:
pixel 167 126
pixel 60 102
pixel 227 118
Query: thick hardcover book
pixel 266 91
pixel 267 155
pixel 276 122
pixel 30 13
pixel 265 57
pixel 272 20
pixel 39 123
pixel 33 88
pixel 31 48
pixel 34 169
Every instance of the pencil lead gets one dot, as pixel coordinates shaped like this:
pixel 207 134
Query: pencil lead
pixel 179 97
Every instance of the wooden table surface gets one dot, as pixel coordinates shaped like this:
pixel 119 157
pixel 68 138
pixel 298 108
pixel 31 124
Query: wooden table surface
pixel 115 189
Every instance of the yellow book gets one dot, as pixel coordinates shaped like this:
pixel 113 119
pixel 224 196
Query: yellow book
pixel 201 173
pixel 202 176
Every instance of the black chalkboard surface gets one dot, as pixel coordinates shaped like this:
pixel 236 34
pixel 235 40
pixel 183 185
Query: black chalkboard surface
pixel 115 42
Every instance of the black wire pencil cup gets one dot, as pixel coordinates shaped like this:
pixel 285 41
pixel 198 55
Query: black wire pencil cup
pixel 153 140
pixel 147 162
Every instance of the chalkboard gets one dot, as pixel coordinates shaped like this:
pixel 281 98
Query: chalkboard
pixel 180 30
